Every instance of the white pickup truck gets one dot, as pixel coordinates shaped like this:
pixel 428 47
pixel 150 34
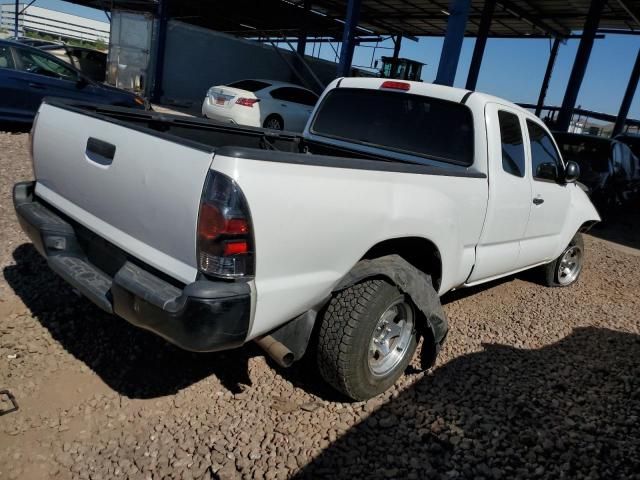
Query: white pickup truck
pixel 342 238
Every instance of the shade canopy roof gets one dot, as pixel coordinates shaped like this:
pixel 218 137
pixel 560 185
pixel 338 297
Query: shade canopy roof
pixel 411 18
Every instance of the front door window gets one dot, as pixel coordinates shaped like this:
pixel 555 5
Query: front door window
pixel 33 62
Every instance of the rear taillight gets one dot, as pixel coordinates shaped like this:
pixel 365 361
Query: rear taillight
pixel 247 102
pixel 396 85
pixel 225 237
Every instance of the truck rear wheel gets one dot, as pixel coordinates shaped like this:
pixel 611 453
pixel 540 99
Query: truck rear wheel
pixel 367 338
pixel 565 270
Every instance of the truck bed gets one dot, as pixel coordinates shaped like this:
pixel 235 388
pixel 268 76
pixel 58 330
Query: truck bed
pixel 199 133
pixel 209 136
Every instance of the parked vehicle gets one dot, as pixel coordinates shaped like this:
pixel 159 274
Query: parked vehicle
pixel 91 62
pixel 212 235
pixel 632 140
pixel 37 42
pixel 608 167
pixel 260 103
pixel 28 74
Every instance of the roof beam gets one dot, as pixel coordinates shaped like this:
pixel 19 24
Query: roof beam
pixel 631 11
pixel 536 22
pixel 517 36
pixel 615 31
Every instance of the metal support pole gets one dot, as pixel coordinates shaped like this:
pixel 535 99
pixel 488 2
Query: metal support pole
pixel 16 30
pixel 456 26
pixel 397 43
pixel 481 42
pixel 160 43
pixel 27 6
pixel 547 76
pixel 302 35
pixel 628 97
pixel 348 34
pixel 580 64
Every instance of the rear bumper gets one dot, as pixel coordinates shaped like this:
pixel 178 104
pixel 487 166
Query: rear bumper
pixel 202 316
pixel 249 117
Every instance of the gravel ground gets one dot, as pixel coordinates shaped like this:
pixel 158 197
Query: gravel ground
pixel 533 382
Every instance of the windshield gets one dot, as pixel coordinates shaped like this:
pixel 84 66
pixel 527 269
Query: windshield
pixel 411 124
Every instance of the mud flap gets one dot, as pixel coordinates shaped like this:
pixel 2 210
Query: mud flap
pixel 417 285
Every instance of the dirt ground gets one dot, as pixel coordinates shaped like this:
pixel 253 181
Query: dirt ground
pixel 532 383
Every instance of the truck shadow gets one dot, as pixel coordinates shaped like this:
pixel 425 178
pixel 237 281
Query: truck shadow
pixel 134 362
pixel 567 410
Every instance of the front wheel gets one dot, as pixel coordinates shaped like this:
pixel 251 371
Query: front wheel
pixel 565 270
pixel 367 338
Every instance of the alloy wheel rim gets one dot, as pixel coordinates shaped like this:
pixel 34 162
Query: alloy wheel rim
pixel 570 265
pixel 274 124
pixel 391 338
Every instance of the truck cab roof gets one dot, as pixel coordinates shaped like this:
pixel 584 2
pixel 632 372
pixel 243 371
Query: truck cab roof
pixel 444 92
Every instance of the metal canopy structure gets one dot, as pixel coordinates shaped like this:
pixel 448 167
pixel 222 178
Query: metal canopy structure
pixel 354 21
pixel 409 18
pixel 511 18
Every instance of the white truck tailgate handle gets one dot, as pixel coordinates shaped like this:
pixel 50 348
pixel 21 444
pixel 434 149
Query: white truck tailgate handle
pixel 100 152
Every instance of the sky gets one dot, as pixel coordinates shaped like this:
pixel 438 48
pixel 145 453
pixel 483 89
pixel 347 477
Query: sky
pixel 511 68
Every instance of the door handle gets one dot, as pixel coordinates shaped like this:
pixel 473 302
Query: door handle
pixel 538 201
pixel 39 86
pixel 100 152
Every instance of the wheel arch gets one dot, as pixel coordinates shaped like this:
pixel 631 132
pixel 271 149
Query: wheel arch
pixel 582 216
pixel 272 115
pixel 419 252
pixel 417 285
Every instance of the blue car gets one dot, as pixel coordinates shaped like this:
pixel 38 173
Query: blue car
pixel 28 74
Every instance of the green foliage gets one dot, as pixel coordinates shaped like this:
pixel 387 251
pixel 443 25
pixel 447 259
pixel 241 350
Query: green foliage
pixel 100 45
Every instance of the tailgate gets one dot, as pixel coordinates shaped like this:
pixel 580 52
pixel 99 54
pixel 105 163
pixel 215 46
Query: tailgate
pixel 139 191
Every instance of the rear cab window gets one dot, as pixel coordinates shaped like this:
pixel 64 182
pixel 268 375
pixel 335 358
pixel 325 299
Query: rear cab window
pixel 417 125
pixel 513 160
pixel 249 85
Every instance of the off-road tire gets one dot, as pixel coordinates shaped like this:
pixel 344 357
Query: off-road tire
pixel 345 334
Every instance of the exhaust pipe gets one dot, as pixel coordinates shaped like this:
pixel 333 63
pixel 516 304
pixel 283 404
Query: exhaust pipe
pixel 276 350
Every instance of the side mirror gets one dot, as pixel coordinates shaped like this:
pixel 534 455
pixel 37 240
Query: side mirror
pixel 81 82
pixel 571 172
pixel 547 171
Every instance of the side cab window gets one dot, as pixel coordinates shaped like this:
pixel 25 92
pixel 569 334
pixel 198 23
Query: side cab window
pixel 42 64
pixel 6 59
pixel 305 97
pixel 511 143
pixel 294 95
pixel 282 93
pixel 546 164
